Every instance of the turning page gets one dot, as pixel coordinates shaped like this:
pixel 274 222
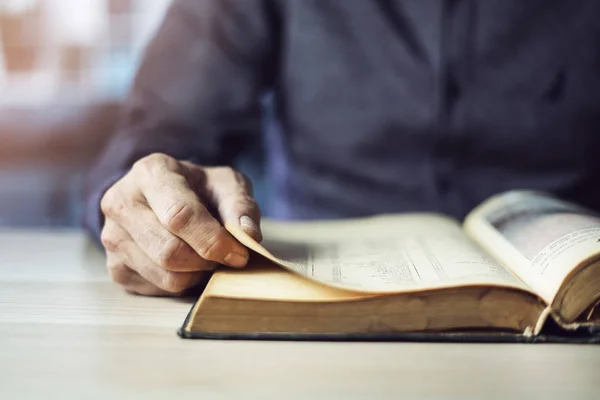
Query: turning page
pixel 542 239
pixel 389 253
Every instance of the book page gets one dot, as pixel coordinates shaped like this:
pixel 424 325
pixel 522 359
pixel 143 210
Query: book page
pixel 542 239
pixel 381 254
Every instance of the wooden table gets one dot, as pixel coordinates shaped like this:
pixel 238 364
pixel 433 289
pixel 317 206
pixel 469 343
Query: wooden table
pixel 67 332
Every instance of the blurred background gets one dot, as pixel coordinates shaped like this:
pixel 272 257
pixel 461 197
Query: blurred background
pixel 65 66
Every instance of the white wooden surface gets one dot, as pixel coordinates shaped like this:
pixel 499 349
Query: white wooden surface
pixel 67 332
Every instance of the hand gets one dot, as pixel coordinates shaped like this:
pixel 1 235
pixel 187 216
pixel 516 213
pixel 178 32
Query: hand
pixel 159 233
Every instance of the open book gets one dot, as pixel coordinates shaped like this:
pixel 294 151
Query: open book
pixel 523 266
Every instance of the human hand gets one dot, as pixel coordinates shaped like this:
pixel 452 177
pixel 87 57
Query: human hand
pixel 159 233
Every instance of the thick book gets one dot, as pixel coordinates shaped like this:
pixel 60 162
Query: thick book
pixel 523 266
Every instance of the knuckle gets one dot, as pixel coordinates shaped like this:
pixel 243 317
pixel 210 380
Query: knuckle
pixel 175 283
pixel 234 176
pixel 214 244
pixel 170 254
pixel 148 163
pixel 143 164
pixel 109 240
pixel 225 175
pixel 112 204
pixel 224 171
pixel 150 159
pixel 119 273
pixel 178 216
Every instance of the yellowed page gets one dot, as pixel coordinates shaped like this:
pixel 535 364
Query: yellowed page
pixel 390 253
pixel 540 238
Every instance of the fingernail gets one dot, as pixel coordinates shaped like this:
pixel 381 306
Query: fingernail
pixel 235 260
pixel 249 225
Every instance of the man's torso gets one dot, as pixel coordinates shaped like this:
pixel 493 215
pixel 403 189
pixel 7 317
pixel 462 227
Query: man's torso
pixel 427 105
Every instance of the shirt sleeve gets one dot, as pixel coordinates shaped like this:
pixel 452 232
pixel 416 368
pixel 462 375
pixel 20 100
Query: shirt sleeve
pixel 196 95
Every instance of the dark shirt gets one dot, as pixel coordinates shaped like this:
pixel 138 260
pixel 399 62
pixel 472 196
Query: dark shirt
pixel 382 106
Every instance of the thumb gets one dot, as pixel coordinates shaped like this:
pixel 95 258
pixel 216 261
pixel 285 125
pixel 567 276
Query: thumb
pixel 232 194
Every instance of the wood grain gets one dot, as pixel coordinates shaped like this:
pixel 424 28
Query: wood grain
pixel 67 332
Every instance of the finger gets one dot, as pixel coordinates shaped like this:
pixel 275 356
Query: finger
pixel 181 212
pixel 124 207
pixel 231 193
pixel 161 246
pixel 130 280
pixel 173 282
pixel 132 268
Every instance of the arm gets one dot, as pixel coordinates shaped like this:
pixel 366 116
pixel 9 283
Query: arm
pixel 196 94
pixel 194 101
